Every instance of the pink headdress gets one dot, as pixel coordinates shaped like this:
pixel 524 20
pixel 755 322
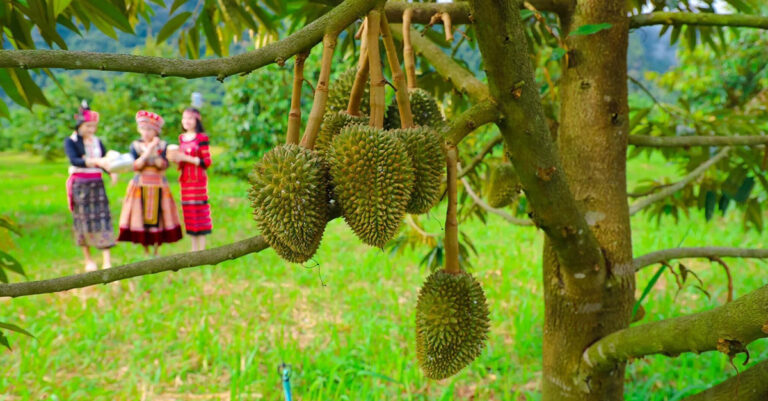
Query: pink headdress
pixel 85 114
pixel 190 112
pixel 149 119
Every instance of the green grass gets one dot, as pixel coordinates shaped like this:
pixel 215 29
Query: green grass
pixel 345 325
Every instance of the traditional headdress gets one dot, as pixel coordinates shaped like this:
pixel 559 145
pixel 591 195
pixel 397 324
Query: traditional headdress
pixel 149 119
pixel 191 112
pixel 85 114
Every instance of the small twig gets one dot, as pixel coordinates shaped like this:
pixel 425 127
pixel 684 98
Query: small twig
pixel 451 243
pixel 408 58
pixel 361 76
pixel 411 222
pixel 360 31
pixel 447 26
pixel 321 93
pixel 728 275
pixel 506 216
pixel 702 252
pixel 294 116
pixel 480 156
pixel 649 191
pixel 310 85
pixel 400 87
pixel 374 68
pixel 653 98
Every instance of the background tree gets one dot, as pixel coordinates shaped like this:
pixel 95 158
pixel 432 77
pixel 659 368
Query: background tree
pixel 568 147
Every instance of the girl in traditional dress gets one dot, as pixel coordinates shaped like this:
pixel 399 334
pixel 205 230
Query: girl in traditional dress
pixel 149 215
pixel 85 189
pixel 194 158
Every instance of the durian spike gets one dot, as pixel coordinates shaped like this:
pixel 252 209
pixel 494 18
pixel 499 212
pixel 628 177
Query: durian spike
pixel 321 92
pixel 451 243
pixel 361 77
pixel 410 66
pixel 294 116
pixel 374 67
pixel 447 26
pixel 401 92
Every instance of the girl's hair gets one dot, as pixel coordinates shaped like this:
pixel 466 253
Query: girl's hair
pixel 198 122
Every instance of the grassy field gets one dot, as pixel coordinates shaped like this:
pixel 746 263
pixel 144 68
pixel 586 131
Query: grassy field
pixel 345 323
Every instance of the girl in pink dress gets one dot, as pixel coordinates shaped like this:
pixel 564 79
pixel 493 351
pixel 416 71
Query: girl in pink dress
pixel 194 158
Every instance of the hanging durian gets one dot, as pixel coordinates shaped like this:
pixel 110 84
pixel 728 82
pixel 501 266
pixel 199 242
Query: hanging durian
pixel 427 151
pixel 423 107
pixel 290 199
pixel 452 318
pixel 372 177
pixel 338 93
pixel 333 122
pixel 503 186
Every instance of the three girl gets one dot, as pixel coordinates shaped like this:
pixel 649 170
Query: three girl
pixel 86 196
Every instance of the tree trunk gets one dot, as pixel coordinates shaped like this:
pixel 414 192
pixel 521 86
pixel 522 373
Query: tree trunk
pixel 592 141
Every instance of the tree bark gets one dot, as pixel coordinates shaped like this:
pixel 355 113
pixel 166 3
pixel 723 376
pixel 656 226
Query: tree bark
pixel 593 143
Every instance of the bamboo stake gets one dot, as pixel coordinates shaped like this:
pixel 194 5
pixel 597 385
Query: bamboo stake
pixel 294 116
pixel 408 58
pixel 447 26
pixel 451 243
pixel 358 87
pixel 321 93
pixel 374 68
pixel 401 92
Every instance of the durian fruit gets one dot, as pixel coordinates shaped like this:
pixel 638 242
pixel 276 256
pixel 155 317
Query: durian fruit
pixel 423 107
pixel 333 122
pixel 339 90
pixel 290 200
pixel 504 186
pixel 452 323
pixel 372 177
pixel 427 151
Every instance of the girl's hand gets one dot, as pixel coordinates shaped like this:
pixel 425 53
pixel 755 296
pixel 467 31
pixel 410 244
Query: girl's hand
pixel 114 178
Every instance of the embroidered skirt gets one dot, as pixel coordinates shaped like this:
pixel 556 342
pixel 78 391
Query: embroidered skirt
pixel 194 205
pixel 90 210
pixel 149 214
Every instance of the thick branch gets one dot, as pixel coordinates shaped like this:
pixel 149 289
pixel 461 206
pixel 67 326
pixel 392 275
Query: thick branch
pixel 706 19
pixel 704 252
pixel 504 215
pixel 470 120
pixel 749 385
pixel 333 22
pixel 504 47
pixel 459 11
pixel 686 141
pixel 698 171
pixel 151 266
pixel 741 321
pixel 459 76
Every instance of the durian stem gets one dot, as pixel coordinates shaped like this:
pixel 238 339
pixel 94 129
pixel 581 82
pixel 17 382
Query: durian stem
pixel 408 58
pixel 374 67
pixel 401 92
pixel 451 243
pixel 447 26
pixel 321 93
pixel 294 116
pixel 362 34
pixel 361 77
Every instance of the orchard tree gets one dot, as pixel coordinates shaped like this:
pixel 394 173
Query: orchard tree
pixel 567 140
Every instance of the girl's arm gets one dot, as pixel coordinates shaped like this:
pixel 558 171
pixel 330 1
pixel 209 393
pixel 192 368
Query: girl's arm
pixel 71 151
pixel 204 153
pixel 162 161
pixel 138 160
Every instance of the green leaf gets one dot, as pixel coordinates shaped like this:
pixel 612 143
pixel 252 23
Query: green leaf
pixel 709 205
pixel 176 4
pixel 4 113
pixel 4 341
pixel 111 14
pixel 59 6
pixel 9 262
pixel 647 289
pixel 525 13
pixel 557 53
pixel 3 276
pixel 590 29
pixel 27 87
pixel 742 194
pixel 210 32
pixel 8 224
pixel 172 26
pixel 13 327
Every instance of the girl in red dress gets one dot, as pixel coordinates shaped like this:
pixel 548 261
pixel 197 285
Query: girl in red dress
pixel 194 158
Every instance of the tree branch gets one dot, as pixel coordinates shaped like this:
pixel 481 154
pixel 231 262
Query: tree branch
pixel 703 252
pixel 686 141
pixel 459 11
pixel 749 385
pixel 741 321
pixel 504 48
pixel 706 19
pixel 504 215
pixel 152 266
pixel 698 171
pixel 463 80
pixel 333 22
pixel 470 120
pixel 480 156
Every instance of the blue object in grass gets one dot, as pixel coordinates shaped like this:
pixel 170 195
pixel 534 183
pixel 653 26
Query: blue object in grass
pixel 285 374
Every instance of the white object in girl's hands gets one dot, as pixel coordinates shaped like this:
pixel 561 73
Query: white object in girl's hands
pixel 172 152
pixel 119 163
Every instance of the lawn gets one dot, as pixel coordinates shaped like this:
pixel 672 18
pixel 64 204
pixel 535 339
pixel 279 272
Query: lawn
pixel 344 321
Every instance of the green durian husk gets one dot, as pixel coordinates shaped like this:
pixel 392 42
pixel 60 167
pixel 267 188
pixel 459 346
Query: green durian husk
pixel 424 108
pixel 427 151
pixel 339 91
pixel 504 186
